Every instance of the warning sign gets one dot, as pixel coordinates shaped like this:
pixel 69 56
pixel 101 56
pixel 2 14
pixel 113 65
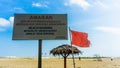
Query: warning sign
pixel 40 26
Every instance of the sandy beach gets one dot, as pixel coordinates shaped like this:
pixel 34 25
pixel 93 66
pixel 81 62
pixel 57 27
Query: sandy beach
pixel 58 63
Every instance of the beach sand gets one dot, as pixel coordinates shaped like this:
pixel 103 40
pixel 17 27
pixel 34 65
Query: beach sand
pixel 58 63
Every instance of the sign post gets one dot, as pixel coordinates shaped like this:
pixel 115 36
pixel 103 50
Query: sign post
pixel 39 54
pixel 40 27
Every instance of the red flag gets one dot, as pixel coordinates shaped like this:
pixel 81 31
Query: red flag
pixel 80 39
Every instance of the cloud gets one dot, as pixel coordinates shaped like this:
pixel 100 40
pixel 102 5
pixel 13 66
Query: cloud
pixel 100 4
pixel 112 30
pixel 39 5
pixel 17 8
pixel 80 3
pixel 4 23
pixel 11 19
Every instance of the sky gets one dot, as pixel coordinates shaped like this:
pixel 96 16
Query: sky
pixel 98 18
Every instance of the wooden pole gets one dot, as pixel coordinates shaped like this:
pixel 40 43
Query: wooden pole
pixel 40 54
pixel 72 49
pixel 65 66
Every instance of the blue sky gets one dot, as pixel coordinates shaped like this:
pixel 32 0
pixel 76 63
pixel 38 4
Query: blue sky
pixel 99 18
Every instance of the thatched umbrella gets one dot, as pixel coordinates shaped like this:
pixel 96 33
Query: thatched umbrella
pixel 64 50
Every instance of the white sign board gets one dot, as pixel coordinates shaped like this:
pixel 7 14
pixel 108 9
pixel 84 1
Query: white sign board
pixel 40 26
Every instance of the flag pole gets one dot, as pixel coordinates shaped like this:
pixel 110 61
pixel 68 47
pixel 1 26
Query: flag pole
pixel 72 49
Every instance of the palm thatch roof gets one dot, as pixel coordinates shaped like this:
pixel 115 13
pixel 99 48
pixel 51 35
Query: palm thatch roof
pixel 64 50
